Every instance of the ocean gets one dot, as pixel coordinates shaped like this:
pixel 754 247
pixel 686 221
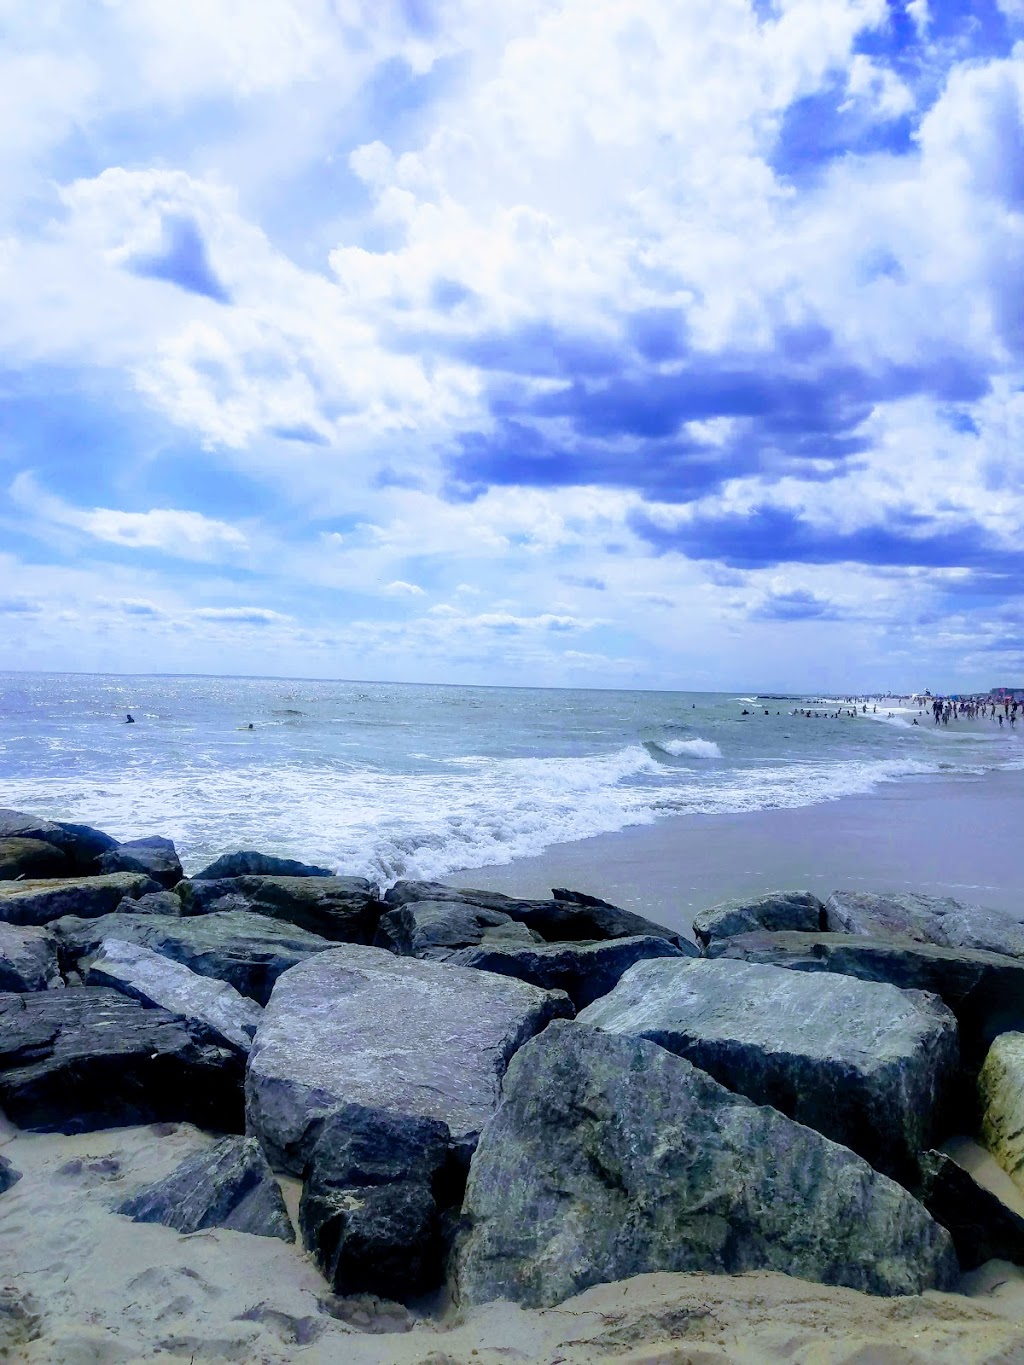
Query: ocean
pixel 390 780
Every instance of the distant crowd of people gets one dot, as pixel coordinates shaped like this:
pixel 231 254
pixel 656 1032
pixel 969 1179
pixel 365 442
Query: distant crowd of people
pixel 945 709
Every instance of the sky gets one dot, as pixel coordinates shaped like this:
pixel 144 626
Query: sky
pixel 610 343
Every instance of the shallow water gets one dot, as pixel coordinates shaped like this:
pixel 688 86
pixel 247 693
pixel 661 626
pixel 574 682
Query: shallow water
pixel 388 780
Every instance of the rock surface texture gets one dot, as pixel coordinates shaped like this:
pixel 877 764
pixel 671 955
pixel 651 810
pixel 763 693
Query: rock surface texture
pixel 76 1060
pixel 229 1185
pixel 984 990
pixel 1001 1089
pixel 39 902
pixel 924 919
pixel 21 858
pixel 585 971
pixel 28 959
pixel 800 911
pixel 247 951
pixel 358 1025
pixel 609 1157
pixel 81 844
pixel 982 1227
pixel 153 979
pixel 8 1175
pixel 343 909
pixel 251 864
pixel 370 1202
pixel 436 929
pixel 155 856
pixel 864 1063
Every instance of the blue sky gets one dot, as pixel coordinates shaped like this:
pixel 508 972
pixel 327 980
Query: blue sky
pixel 557 342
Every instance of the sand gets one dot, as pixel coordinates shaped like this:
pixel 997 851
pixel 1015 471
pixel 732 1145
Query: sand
pixel 81 1285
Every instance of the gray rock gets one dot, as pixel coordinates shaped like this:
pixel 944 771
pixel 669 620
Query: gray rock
pixel 800 911
pixel 924 919
pixel 155 856
pixel 343 909
pixel 609 1157
pixel 228 1185
pixel 984 990
pixel 8 1175
pixel 81 844
pixel 864 1063
pixel 1001 1088
pixel 77 1060
pixel 436 929
pixel 982 1227
pixel 39 902
pixel 585 971
pixel 28 959
pixel 578 918
pixel 358 1025
pixel 250 864
pixel 155 903
pixel 247 951
pixel 21 858
pixel 370 1214
pixel 154 979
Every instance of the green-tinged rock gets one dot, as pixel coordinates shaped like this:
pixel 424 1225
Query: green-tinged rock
pixel 801 911
pixel 1001 1090
pixel 40 902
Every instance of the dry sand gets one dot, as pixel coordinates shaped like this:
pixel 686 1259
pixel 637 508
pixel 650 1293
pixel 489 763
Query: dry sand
pixel 80 1285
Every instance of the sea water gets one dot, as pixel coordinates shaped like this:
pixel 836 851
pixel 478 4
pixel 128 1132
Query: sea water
pixel 391 780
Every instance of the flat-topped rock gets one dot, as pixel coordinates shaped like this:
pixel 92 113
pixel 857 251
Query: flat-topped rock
pixel 799 911
pixel 437 929
pixel 609 1157
pixel 924 919
pixel 226 1185
pixel 248 863
pixel 246 950
pixel 576 918
pixel 30 858
pixel 154 855
pixel 73 1061
pixel 40 901
pixel 984 990
pixel 343 909
pixel 154 979
pixel 28 959
pixel 1001 1089
pixel 864 1063
pixel 81 844
pixel 358 1025
pixel 585 971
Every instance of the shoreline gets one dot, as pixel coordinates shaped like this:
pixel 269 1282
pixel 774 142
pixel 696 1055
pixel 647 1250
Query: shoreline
pixel 939 836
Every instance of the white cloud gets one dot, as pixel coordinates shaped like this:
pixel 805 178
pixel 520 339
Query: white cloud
pixel 401 589
pixel 247 616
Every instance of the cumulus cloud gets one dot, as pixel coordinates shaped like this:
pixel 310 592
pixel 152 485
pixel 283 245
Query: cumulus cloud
pixel 246 616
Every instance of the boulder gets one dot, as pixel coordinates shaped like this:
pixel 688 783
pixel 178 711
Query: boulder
pixel 213 1006
pixel 582 918
pixel 862 1062
pixel 610 1157
pixel 924 919
pixel 81 844
pixel 77 1060
pixel 585 971
pixel 28 959
pixel 155 903
pixel 39 902
pixel 436 929
pixel 155 856
pixel 8 1175
pixel 358 1025
pixel 984 990
pixel 343 909
pixel 982 1227
pixel 21 858
pixel 801 911
pixel 249 864
pixel 1001 1089
pixel 370 1212
pixel 227 1185
pixel 247 951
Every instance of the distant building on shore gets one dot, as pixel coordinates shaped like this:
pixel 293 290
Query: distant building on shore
pixel 1001 694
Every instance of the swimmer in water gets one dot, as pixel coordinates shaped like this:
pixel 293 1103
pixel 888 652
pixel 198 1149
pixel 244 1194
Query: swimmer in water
pixel 131 718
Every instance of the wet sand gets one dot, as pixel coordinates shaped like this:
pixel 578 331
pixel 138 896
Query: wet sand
pixel 961 837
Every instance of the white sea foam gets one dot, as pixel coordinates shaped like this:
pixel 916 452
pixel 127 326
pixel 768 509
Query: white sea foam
pixel 691 748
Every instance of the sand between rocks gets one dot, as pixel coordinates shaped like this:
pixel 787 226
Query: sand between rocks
pixel 80 1285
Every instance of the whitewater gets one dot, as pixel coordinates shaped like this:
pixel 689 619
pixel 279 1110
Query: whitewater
pixel 386 780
